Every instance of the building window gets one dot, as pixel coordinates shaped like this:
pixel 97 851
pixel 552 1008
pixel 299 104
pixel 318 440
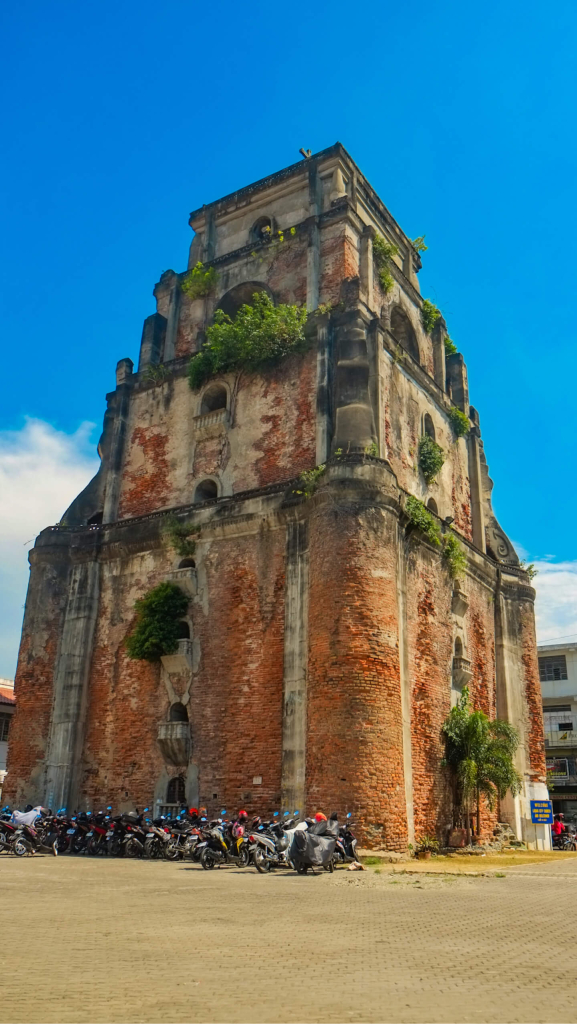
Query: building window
pixel 214 398
pixel 428 426
pixel 565 726
pixel 4 727
pixel 552 668
pixel 178 713
pixel 175 794
pixel 206 491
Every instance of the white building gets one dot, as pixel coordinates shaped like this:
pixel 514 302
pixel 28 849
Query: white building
pixel 7 708
pixel 558 672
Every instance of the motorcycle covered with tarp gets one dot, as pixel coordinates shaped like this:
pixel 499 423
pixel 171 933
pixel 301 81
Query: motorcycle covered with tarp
pixel 314 848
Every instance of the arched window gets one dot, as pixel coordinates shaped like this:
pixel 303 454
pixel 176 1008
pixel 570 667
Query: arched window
pixel 241 295
pixel 403 332
pixel 176 793
pixel 187 563
pixel 178 713
pixel 183 630
pixel 432 504
pixel 206 490
pixel 458 647
pixel 261 229
pixel 428 426
pixel 215 397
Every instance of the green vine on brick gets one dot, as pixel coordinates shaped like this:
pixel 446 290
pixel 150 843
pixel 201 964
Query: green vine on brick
pixel 273 240
pixel 423 520
pixel 372 449
pixel 454 555
pixel 157 629
pixel 308 480
pixel 431 458
pixel 429 315
pixel 450 347
pixel 177 534
pixel 383 253
pixel 459 421
pixel 199 281
pixel 261 335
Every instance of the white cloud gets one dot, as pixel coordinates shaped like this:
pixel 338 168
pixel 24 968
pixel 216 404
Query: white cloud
pixel 556 606
pixel 41 470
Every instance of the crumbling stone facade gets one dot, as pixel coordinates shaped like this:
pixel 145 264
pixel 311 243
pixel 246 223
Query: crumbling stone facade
pixel 326 634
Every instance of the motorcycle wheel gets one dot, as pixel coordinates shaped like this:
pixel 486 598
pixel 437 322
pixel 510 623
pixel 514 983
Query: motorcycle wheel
pixel 243 857
pixel 261 861
pixel 62 844
pixel 93 847
pixel 207 859
pixel 172 852
pixel 302 869
pixel 77 845
pixel 151 849
pixel 133 848
pixel 20 848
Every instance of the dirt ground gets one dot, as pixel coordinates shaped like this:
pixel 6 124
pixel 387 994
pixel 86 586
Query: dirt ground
pixel 100 941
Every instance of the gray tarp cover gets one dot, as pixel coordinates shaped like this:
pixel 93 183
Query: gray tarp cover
pixel 316 846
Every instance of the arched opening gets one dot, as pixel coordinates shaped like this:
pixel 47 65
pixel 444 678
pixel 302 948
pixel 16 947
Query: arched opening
pixel 458 647
pixel 428 426
pixel 206 490
pixel 175 791
pixel 261 230
pixel 432 504
pixel 241 295
pixel 215 397
pixel 178 713
pixel 187 563
pixel 403 332
pixel 183 630
pixel 95 520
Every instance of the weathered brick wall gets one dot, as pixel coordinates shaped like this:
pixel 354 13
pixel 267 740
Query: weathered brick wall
pixel 235 703
pixel 272 437
pixel 404 405
pixel 430 653
pixel 354 758
pixel 30 725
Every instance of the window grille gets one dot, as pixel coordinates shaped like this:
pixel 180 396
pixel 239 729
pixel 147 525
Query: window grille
pixel 4 727
pixel 552 668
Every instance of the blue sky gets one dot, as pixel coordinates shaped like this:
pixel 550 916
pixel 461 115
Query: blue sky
pixel 119 119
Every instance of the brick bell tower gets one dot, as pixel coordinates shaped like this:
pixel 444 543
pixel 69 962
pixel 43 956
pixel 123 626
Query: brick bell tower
pixel 325 636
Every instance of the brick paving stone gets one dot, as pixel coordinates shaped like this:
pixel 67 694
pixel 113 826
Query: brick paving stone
pixel 101 941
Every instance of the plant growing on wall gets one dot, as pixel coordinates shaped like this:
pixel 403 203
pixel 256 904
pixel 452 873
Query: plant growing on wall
pixel 157 623
pixel 454 555
pixel 372 449
pixel 308 480
pixel 199 281
pixel 459 421
pixel 429 315
pixel 155 373
pixel 274 240
pixel 529 569
pixel 450 347
pixel 419 244
pixel 431 457
pixel 479 754
pixel 383 253
pixel 421 518
pixel 177 535
pixel 260 336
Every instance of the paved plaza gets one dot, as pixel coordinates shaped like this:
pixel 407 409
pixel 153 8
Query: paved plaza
pixel 101 941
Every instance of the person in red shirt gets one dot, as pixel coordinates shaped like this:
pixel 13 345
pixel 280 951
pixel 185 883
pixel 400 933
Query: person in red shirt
pixel 558 827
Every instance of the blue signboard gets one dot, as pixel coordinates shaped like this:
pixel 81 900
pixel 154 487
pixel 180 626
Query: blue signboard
pixel 542 812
